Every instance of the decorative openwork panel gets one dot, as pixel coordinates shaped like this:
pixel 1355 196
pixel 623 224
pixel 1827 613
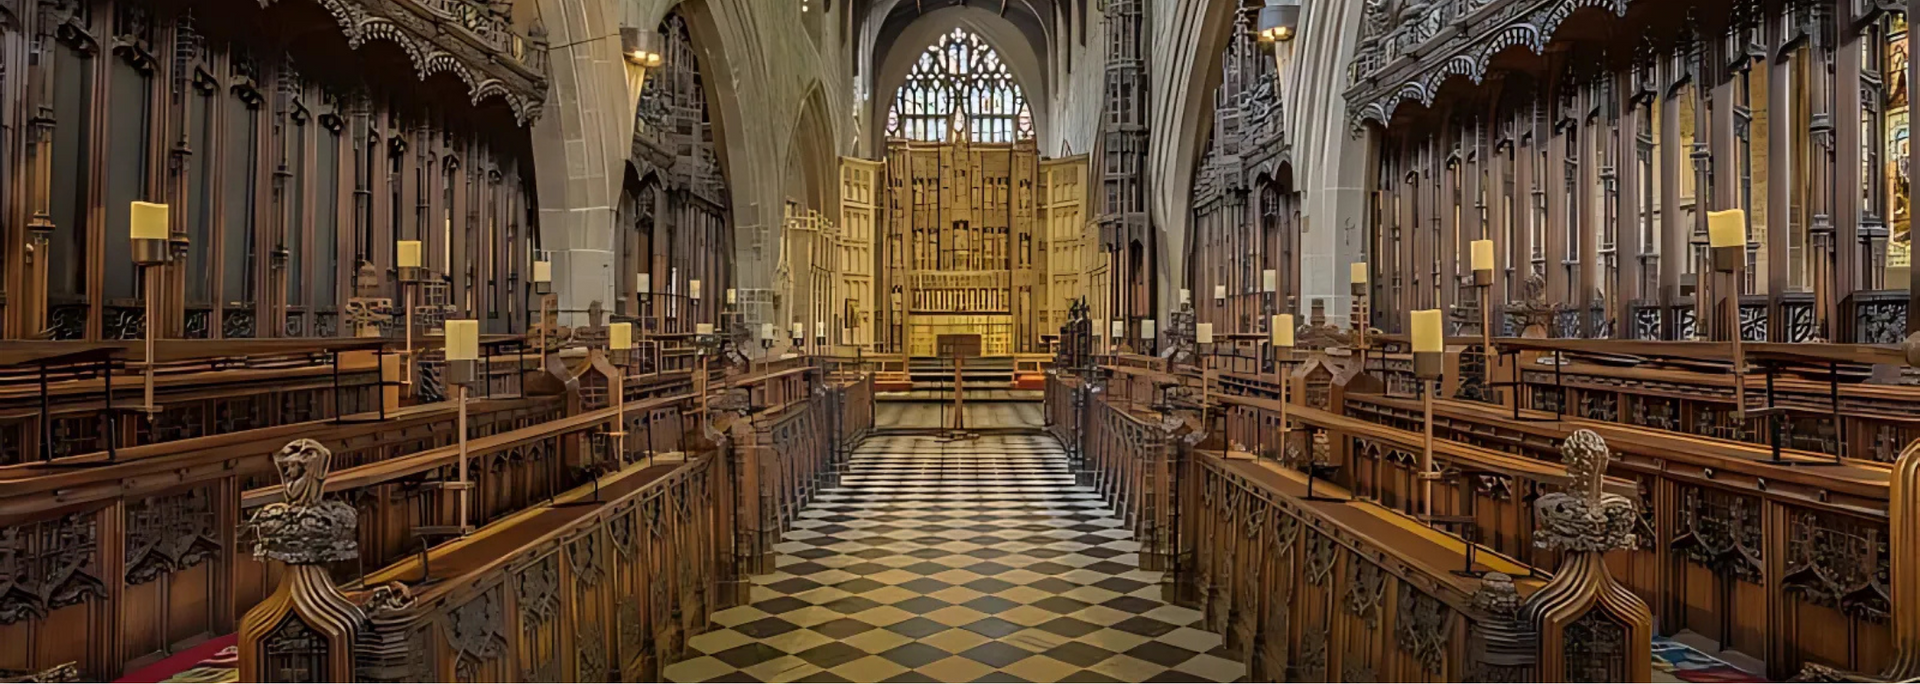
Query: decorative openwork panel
pixel 960 85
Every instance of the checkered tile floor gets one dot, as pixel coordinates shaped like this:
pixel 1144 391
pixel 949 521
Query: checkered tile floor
pixel 957 562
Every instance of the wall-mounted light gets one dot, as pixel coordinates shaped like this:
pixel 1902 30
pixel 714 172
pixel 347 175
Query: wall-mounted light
pixel 1278 20
pixel 641 48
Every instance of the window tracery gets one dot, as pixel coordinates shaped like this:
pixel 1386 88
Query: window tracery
pixel 960 84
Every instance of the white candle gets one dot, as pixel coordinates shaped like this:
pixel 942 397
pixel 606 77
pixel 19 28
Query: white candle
pixel 149 221
pixel 463 340
pixel 409 253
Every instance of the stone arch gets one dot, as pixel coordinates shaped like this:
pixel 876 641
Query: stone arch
pixel 810 155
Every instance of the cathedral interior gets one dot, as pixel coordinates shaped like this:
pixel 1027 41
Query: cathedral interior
pixel 958 340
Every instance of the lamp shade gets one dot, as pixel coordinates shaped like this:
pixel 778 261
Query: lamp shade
pixel 1727 228
pixel 620 336
pixel 703 328
pixel 543 271
pixel 149 221
pixel 1186 296
pixel 1219 292
pixel 643 283
pixel 799 330
pixel 1357 273
pixel 463 340
pixel 1146 328
pixel 1282 330
pixel 1278 20
pixel 820 329
pixel 1203 333
pixel 1483 255
pixel 733 296
pixel 1119 329
pixel 409 254
pixel 766 331
pixel 693 290
pixel 1425 326
pixel 1269 280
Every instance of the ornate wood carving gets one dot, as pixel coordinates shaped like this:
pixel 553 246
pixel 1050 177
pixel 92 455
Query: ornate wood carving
pixel 1720 531
pixel 1839 563
pixel 1591 628
pixel 48 565
pixel 167 534
pixel 1423 627
pixel 1366 588
pixel 304 631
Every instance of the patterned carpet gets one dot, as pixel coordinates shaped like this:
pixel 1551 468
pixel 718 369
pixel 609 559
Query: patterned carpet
pixel 957 562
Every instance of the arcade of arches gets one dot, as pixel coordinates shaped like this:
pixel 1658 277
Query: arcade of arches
pixel 958 340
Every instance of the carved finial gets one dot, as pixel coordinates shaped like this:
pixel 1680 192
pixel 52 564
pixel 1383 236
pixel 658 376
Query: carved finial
pixel 1586 456
pixel 304 528
pixel 1585 517
pixel 1497 596
pixel 303 465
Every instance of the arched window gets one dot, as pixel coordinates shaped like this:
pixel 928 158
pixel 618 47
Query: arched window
pixel 960 74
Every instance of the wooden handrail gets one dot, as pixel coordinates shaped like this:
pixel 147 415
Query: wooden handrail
pixel 395 469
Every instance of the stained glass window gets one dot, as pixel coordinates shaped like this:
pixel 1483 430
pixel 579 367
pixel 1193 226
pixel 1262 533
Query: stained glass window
pixel 960 83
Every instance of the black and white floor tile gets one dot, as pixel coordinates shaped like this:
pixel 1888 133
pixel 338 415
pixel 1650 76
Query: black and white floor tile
pixel 957 562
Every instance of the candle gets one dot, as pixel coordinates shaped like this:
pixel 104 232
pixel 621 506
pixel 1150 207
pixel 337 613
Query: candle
pixel 410 253
pixel 703 328
pixel 543 271
pixel 643 283
pixel 1425 326
pixel 148 221
pixel 1357 273
pixel 1727 228
pixel 1203 333
pixel 1146 329
pixel 463 340
pixel 693 290
pixel 620 336
pixel 1282 329
pixel 1483 255
pixel 1269 280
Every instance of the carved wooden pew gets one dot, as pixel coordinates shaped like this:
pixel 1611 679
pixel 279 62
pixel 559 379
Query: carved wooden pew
pixel 1734 536
pixel 604 584
pixel 113 564
pixel 1350 590
pixel 405 505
